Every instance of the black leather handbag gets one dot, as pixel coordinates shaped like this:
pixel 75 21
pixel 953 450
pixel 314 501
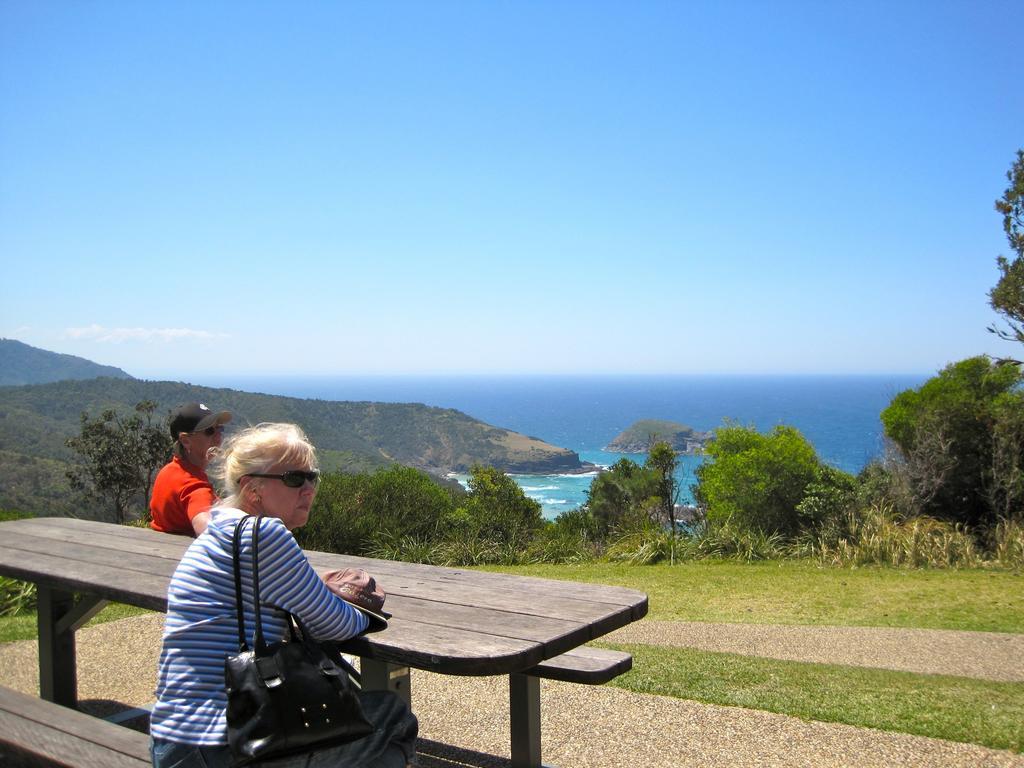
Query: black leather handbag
pixel 288 697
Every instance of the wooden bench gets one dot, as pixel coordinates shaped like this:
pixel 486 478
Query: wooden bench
pixel 36 732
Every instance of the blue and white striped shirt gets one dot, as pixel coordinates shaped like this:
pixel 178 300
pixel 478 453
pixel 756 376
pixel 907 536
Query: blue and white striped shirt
pixel 200 630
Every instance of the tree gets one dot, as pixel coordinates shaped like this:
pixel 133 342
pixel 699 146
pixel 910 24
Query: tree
pixel 616 497
pixel 156 446
pixel 661 460
pixel 962 437
pixel 1007 297
pixel 757 481
pixel 119 458
pixel 497 509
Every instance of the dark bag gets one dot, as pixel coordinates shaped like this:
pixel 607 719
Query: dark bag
pixel 288 697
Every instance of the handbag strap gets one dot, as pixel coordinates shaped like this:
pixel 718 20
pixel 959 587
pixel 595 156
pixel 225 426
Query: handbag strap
pixel 235 552
pixel 257 637
pixel 259 644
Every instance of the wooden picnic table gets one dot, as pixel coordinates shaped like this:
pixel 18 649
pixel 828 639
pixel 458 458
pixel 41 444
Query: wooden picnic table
pixel 445 620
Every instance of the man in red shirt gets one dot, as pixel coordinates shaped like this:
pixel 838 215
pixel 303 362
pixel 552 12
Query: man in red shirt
pixel 182 494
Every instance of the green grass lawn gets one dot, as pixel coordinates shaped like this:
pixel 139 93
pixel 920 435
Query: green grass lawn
pixel 940 706
pixel 796 592
pixel 23 627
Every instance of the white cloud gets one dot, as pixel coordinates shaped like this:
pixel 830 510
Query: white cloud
pixel 146 335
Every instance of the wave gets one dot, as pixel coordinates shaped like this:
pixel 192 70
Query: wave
pixel 551 502
pixel 529 488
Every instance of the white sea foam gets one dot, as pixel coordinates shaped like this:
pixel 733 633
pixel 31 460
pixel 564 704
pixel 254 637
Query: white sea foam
pixel 529 488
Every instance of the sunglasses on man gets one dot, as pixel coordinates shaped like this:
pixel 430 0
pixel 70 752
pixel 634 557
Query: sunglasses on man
pixel 209 431
pixel 293 478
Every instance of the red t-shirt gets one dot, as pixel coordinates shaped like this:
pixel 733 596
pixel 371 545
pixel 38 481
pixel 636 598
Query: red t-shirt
pixel 180 492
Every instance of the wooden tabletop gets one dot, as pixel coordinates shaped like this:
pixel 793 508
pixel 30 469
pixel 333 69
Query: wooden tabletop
pixel 445 620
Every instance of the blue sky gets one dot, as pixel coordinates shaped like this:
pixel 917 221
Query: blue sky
pixel 536 187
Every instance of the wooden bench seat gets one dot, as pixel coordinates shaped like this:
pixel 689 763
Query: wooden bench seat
pixel 36 732
pixel 591 666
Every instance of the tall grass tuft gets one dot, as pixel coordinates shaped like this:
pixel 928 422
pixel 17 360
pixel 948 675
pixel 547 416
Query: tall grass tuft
pixel 877 536
pixel 733 542
pixel 1008 543
pixel 16 596
pixel 410 549
pixel 724 540
pixel 642 547
pixel 561 547
pixel 449 553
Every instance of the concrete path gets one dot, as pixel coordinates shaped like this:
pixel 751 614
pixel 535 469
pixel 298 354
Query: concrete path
pixel 983 655
pixel 598 727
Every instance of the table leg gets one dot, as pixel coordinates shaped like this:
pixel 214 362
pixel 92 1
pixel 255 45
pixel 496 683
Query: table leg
pixel 58 616
pixel 384 676
pixel 57 674
pixel 524 712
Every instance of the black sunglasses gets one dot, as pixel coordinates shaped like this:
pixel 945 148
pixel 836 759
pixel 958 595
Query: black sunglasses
pixel 293 478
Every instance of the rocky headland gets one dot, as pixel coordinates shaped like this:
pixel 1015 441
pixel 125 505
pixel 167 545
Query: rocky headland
pixel 639 437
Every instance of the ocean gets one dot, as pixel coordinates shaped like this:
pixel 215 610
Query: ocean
pixel 838 414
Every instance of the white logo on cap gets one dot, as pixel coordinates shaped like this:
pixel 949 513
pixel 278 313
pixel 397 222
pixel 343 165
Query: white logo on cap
pixel 203 407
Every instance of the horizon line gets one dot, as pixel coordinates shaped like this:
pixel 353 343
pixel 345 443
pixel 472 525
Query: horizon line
pixel 288 375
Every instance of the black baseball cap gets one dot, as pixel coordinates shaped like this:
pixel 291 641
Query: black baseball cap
pixel 195 417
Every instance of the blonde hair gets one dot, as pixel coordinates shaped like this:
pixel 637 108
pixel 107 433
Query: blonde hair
pixel 257 449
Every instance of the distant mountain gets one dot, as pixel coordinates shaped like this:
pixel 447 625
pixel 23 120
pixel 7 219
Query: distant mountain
pixel 638 437
pixel 35 421
pixel 22 364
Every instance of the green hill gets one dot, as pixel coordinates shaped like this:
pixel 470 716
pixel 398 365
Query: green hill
pixel 22 364
pixel 638 437
pixel 35 421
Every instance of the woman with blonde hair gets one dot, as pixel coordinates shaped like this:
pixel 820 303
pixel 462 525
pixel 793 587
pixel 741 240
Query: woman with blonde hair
pixel 268 471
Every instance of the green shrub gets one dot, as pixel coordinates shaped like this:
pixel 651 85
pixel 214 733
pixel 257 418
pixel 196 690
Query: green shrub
pixel 755 482
pixel 616 495
pixel 355 513
pixel 570 538
pixel 827 498
pixel 337 522
pixel 497 509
